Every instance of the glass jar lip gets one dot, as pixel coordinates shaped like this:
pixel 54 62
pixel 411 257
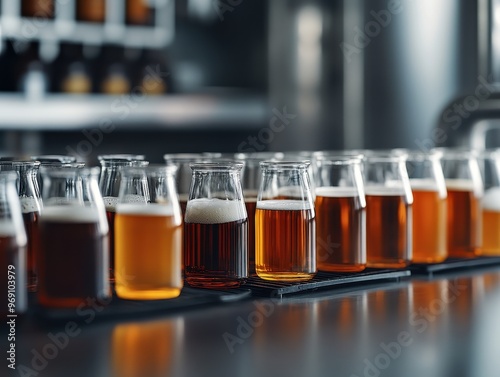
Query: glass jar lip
pixel 119 163
pixel 340 153
pixel 217 165
pixel 150 169
pixel 285 164
pixel 421 155
pixel 121 157
pixel 50 158
pixel 332 159
pixel 493 153
pixel 20 163
pixel 76 168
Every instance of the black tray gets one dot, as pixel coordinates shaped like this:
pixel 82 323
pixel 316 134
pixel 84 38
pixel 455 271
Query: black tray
pixel 118 308
pixel 453 264
pixel 322 280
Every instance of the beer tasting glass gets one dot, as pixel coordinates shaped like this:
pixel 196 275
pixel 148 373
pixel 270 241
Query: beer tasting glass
pixel 340 214
pixel 429 206
pixel 285 228
pixel 216 227
pixel 13 242
pixel 388 211
pixel 490 169
pixel 109 184
pixel 73 263
pixel 148 234
pixel 31 203
pixel 184 172
pixel 465 191
pixel 250 181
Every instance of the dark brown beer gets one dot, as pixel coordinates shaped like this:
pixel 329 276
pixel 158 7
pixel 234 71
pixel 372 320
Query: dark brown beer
pixel 341 230
pixel 215 243
pixel 73 257
pixel 285 240
pixel 464 220
pixel 11 254
pixel 388 230
pixel 30 219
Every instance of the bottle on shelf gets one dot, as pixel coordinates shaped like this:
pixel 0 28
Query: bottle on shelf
pixel 116 81
pixel 74 76
pixel 37 8
pixel 139 12
pixel 91 10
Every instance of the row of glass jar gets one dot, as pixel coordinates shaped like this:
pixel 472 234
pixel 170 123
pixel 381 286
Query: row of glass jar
pixel 355 218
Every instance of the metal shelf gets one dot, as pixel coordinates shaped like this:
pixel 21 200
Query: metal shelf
pixel 66 28
pixel 75 112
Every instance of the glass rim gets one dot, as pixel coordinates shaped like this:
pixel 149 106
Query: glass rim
pixel 493 153
pixel 216 165
pixel 150 168
pixel 16 163
pixel 44 158
pixel 78 168
pixel 285 164
pixel 121 157
pixel 339 159
pixel 124 163
pixel 456 152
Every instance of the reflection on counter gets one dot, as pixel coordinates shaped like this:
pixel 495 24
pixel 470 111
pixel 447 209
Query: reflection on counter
pixel 146 348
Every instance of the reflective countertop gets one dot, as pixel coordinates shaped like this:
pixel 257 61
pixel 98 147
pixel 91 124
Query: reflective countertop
pixel 444 326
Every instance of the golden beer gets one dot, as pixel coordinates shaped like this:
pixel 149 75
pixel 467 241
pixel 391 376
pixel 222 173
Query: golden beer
pixel 285 242
pixel 491 222
pixel 148 251
pixel 341 230
pixel 464 219
pixel 429 223
pixel 388 229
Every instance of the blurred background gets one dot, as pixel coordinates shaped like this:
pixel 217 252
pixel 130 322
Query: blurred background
pixel 88 77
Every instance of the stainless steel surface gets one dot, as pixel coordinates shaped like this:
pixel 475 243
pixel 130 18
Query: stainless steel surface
pixel 443 327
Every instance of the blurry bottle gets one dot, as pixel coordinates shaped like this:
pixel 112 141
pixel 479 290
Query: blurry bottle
pixel 116 81
pixel 73 71
pixel 77 81
pixel 139 12
pixel 31 74
pixel 154 74
pixel 37 8
pixel 91 10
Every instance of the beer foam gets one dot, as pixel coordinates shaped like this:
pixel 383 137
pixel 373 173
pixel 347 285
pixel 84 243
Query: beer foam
pixel 337 192
pixel 214 211
pixel 384 191
pixel 460 184
pixel 283 205
pixel 70 214
pixel 423 184
pixel 7 228
pixel 491 199
pixel 144 209
pixel 252 199
pixel 29 205
pixel 137 199
pixel 110 203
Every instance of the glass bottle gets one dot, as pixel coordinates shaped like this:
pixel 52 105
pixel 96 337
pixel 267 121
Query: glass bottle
pixel 13 243
pixel 216 227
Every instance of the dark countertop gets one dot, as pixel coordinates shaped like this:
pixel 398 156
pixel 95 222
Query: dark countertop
pixel 444 326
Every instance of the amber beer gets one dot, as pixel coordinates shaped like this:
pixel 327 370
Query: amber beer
pixel 148 252
pixel 429 223
pixel 215 243
pixel 491 222
pixel 11 254
pixel 340 238
pixel 285 242
pixel 464 219
pixel 30 211
pixel 388 229
pixel 73 259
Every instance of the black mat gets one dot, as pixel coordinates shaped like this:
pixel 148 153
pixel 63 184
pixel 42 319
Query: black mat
pixel 453 264
pixel 117 308
pixel 323 280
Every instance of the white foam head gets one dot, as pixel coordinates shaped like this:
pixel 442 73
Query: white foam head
pixel 29 205
pixel 460 184
pixel 70 214
pixel 144 209
pixel 110 203
pixel 283 205
pixel 491 199
pixel 7 228
pixel 214 211
pixel 337 192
